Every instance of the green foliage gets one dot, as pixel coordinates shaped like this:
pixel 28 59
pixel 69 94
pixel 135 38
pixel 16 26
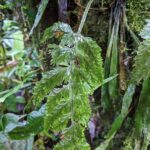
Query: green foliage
pixel 14 128
pixel 145 33
pixel 129 143
pixel 74 139
pixel 31 127
pixel 17 69
pixel 16 63
pixel 137 12
pixel 40 12
pixel 110 91
pixel 142 119
pixel 142 60
pixel 65 91
pixel 13 37
pixel 114 50
pixel 77 72
pixel 141 133
pixel 12 101
pixel 127 99
pixel 49 81
pixel 12 40
pixel 51 31
pixel 11 92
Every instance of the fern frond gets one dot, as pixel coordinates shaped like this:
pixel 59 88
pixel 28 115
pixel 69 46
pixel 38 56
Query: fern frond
pixel 142 62
pixel 74 139
pixel 88 50
pixel 56 28
pixel 50 80
pixel 141 68
pixel 57 106
pixel 78 71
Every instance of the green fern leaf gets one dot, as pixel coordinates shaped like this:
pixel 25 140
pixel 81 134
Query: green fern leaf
pixel 141 68
pixel 74 139
pixel 48 83
pixel 78 71
pixel 57 106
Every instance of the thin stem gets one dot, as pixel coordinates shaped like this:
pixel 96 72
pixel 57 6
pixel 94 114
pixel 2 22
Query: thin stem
pixel 84 16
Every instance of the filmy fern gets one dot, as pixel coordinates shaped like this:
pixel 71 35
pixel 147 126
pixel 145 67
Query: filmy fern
pixel 142 60
pixel 77 72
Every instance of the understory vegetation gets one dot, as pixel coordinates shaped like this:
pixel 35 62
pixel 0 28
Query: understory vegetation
pixel 75 75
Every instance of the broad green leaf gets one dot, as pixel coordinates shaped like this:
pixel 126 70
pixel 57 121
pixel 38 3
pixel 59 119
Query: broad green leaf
pixel 14 40
pixel 33 125
pixel 11 92
pixel 10 121
pixel 16 128
pixel 12 102
pixel 7 25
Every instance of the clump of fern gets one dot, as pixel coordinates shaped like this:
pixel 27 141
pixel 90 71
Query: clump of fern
pixel 77 72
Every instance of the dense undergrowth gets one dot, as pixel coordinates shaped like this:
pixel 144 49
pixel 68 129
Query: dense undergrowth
pixel 75 75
